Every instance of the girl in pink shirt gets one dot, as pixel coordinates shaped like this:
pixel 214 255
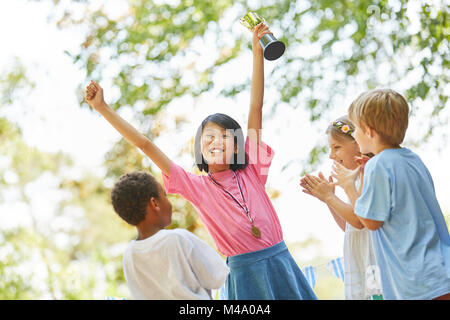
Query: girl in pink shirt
pixel 231 198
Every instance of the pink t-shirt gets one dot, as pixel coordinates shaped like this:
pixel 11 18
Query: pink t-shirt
pixel 224 219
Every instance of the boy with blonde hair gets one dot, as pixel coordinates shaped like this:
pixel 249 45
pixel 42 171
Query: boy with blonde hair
pixel 398 202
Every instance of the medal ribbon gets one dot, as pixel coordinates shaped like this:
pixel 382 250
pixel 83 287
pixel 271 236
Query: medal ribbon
pixel 244 207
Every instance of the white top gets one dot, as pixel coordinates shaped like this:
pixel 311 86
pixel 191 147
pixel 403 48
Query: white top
pixel 359 263
pixel 173 265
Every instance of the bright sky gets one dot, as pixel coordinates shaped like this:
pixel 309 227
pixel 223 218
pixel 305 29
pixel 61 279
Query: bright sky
pixel 54 121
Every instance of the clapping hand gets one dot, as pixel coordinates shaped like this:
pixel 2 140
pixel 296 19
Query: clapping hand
pixel 362 160
pixel 318 187
pixel 345 177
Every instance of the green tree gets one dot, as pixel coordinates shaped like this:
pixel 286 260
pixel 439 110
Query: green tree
pixel 23 165
pixel 69 255
pixel 151 55
pixel 333 49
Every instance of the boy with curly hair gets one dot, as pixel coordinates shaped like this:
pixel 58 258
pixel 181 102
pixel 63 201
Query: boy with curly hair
pixel 162 264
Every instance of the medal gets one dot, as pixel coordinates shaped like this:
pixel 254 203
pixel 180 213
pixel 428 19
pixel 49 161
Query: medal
pixel 256 232
pixel 254 229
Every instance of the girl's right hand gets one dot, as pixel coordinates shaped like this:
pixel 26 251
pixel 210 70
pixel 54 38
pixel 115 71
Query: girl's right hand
pixel 345 177
pixel 361 161
pixel 94 95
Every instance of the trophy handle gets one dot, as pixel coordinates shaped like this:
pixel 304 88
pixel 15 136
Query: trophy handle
pixel 272 48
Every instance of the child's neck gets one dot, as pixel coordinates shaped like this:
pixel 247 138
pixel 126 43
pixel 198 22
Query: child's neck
pixel 146 230
pixel 218 168
pixel 381 147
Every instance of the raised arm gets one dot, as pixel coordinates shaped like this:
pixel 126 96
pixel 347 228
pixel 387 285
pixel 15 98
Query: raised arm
pixel 94 97
pixel 257 90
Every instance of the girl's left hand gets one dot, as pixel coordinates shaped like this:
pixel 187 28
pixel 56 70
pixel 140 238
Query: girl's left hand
pixel 317 187
pixel 260 30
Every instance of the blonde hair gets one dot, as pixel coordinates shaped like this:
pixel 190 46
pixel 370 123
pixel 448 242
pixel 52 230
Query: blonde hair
pixel 337 133
pixel 383 110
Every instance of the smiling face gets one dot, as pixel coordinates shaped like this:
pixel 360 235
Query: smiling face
pixel 343 150
pixel 217 147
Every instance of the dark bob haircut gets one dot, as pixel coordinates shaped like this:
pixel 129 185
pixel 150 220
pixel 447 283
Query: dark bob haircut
pixel 131 194
pixel 240 159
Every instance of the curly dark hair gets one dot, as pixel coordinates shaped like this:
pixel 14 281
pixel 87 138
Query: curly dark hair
pixel 131 194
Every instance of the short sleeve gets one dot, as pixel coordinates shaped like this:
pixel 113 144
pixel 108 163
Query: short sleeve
pixel 183 183
pixel 208 266
pixel 375 200
pixel 259 158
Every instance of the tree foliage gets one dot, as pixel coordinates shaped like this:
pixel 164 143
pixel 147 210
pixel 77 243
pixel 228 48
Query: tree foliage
pixel 67 253
pixel 152 51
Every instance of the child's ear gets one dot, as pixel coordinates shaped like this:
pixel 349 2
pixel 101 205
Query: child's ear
pixel 370 132
pixel 153 203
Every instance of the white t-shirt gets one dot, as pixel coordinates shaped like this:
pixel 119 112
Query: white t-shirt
pixel 173 265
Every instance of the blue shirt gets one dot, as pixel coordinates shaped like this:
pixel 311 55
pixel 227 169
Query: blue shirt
pixel 412 246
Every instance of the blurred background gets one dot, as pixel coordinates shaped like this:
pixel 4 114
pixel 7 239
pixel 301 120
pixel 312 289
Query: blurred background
pixel 165 66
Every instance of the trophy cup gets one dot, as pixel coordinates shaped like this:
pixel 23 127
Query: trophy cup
pixel 272 48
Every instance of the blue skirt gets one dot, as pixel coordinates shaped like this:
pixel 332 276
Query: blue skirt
pixel 267 274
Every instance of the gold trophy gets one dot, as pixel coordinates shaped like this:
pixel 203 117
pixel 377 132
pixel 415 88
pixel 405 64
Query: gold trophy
pixel 272 48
